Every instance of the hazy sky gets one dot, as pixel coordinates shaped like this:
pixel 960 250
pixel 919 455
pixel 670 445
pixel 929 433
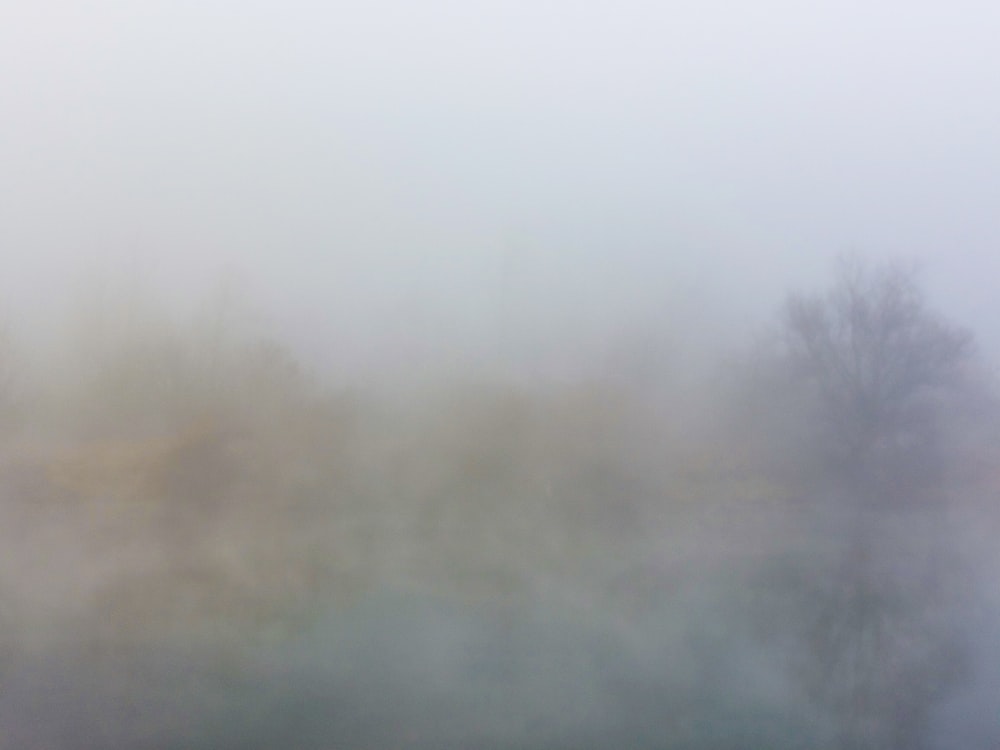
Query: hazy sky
pixel 479 175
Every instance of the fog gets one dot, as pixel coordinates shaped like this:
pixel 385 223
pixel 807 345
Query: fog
pixel 498 375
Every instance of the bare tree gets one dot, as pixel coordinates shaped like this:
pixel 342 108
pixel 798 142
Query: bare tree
pixel 876 366
pixel 877 360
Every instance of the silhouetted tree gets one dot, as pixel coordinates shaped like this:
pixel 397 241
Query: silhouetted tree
pixel 877 361
pixel 874 365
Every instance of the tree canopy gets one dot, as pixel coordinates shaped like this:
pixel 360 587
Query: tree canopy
pixel 876 359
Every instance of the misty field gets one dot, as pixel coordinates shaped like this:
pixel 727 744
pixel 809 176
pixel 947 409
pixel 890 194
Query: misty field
pixel 205 545
pixel 474 375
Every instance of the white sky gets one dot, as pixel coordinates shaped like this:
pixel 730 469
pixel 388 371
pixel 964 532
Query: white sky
pixel 401 181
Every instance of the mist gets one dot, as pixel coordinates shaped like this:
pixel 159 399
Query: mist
pixel 498 375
